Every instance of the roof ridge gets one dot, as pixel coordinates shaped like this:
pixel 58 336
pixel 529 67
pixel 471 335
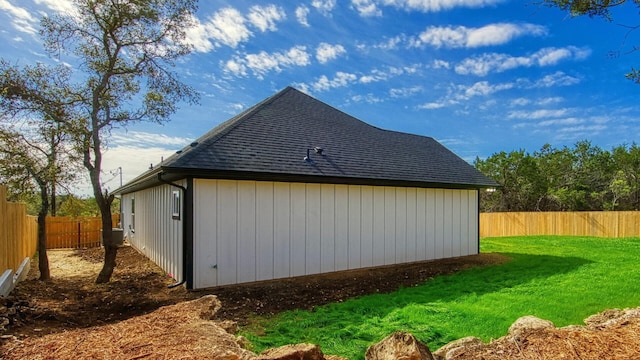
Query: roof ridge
pixel 224 128
pixel 236 120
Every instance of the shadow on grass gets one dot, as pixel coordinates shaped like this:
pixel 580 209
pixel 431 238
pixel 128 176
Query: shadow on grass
pixel 365 320
pixel 521 269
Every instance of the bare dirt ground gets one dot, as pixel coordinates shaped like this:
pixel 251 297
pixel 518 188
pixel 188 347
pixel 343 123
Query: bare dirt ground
pixel 46 317
pixel 72 299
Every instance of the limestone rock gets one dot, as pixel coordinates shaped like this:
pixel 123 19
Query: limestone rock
pixel 293 352
pixel 527 324
pixel 243 342
pixel 209 306
pixel 399 346
pixel 450 350
pixel 611 317
pixel 229 326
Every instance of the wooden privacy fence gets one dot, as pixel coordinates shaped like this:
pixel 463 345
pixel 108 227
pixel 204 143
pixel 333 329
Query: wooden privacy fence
pixel 588 223
pixel 75 232
pixel 18 233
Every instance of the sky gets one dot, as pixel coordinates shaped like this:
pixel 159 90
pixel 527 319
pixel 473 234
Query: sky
pixel 479 76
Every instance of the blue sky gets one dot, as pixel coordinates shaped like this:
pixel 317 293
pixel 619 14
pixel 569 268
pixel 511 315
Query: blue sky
pixel 480 76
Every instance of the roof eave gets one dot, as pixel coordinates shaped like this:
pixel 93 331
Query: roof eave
pixel 151 179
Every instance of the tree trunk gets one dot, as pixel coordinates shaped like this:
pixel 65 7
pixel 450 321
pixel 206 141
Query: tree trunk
pixel 110 253
pixel 53 199
pixel 43 259
pixel 110 248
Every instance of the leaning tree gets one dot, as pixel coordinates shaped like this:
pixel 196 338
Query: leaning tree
pixel 124 52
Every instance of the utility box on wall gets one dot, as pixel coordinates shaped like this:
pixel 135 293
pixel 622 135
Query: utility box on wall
pixel 117 236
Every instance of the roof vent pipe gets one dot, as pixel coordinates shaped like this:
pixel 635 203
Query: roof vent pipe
pixel 317 150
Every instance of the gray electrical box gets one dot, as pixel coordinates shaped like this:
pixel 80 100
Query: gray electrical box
pixel 117 234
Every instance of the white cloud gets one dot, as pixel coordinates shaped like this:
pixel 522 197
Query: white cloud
pixel 482 88
pixel 263 62
pixel 588 129
pixel 374 76
pixel 486 63
pixel 552 56
pixel 324 6
pixel 433 105
pixel 441 64
pixel 327 52
pixel 198 37
pixel 438 5
pixel 564 128
pixel 227 26
pixel 301 14
pixel 497 34
pixel 443 37
pixel 21 18
pixel 464 37
pixel 520 102
pixel 265 17
pixel 460 93
pixel 495 62
pixel 341 79
pixel 150 139
pixel 66 7
pixel 377 75
pixel 558 78
pixel 405 92
pixel 391 43
pixel 566 121
pixel 539 114
pixel 366 8
pixel 369 99
pixel 550 100
pixel 236 67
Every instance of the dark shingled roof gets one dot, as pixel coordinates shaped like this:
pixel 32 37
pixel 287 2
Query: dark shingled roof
pixel 270 141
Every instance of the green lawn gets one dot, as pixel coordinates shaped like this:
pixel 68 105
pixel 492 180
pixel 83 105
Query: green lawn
pixel 562 279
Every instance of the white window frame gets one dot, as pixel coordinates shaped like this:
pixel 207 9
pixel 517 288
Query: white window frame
pixel 176 205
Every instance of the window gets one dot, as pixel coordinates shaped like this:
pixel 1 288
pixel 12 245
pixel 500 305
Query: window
pixel 175 205
pixel 133 214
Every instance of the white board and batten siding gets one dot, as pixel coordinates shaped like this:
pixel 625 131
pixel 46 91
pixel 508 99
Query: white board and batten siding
pixel 153 229
pixel 248 231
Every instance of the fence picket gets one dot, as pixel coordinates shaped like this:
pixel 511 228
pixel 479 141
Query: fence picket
pixel 71 232
pixel 18 233
pixel 588 223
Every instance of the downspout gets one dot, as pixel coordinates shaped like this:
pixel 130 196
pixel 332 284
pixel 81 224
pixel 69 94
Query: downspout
pixel 478 216
pixel 186 214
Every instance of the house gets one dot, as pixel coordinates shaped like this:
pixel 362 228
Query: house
pixel 293 186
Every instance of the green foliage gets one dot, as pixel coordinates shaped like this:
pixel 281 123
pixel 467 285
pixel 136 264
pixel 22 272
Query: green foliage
pixel 591 8
pixel 562 279
pixel 71 205
pixel 518 174
pixel 582 178
pixel 67 205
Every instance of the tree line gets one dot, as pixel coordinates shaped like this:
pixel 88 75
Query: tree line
pixel 583 177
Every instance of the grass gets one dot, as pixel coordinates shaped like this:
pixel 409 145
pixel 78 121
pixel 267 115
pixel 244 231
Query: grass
pixel 559 278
